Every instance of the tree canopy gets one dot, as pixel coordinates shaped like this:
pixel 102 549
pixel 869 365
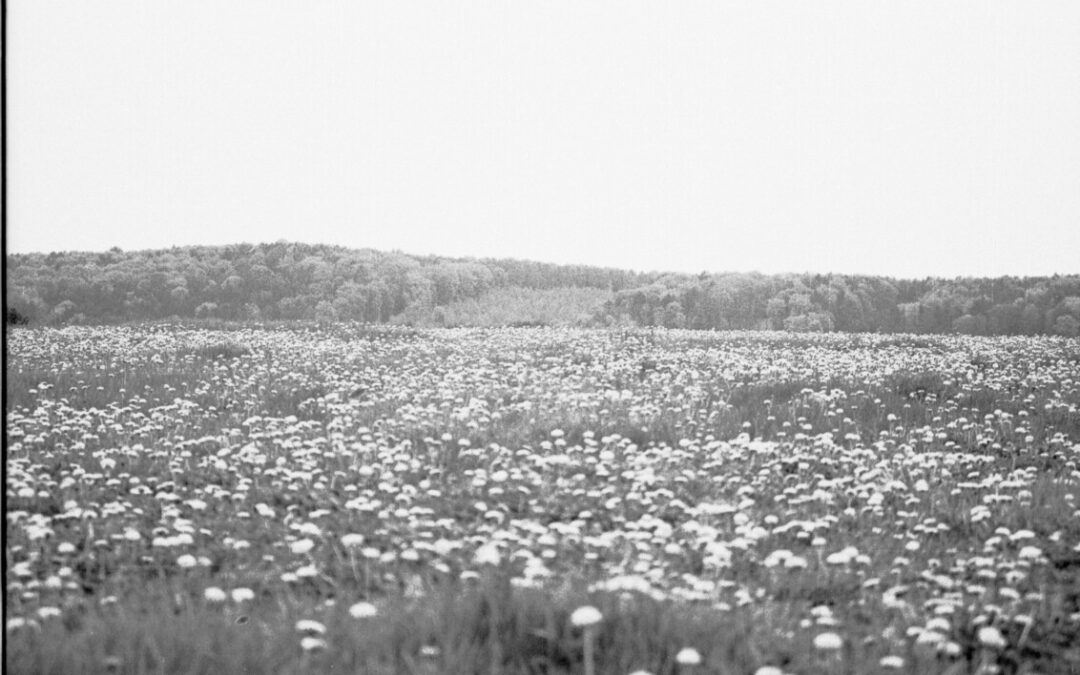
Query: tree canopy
pixel 289 281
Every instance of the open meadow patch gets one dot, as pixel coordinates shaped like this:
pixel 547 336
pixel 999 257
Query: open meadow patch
pixel 349 499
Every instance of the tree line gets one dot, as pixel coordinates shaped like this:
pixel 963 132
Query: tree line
pixel 833 302
pixel 279 281
pixel 292 281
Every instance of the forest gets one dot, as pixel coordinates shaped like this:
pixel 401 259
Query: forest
pixel 285 281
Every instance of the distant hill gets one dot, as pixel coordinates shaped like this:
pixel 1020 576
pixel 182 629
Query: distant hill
pixel 289 281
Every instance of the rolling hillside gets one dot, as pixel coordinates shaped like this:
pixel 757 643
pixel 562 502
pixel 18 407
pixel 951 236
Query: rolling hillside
pixel 291 281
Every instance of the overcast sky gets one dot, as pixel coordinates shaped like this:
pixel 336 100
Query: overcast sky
pixel 899 138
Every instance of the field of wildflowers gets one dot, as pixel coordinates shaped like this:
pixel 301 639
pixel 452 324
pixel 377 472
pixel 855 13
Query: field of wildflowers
pixel 351 499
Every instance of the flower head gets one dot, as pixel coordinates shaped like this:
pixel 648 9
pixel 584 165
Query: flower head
pixel 302 546
pixel 187 561
pixel 363 610
pixel 214 594
pixel 242 594
pixel 688 656
pixel 991 637
pixel 828 641
pixel 352 540
pixel 310 643
pixel 585 616
pixel 310 626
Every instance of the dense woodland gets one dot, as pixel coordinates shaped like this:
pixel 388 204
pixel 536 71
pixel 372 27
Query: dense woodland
pixel 289 281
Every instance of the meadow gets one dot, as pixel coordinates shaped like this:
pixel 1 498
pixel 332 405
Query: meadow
pixel 350 499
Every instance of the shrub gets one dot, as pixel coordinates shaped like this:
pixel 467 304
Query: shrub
pixel 13 317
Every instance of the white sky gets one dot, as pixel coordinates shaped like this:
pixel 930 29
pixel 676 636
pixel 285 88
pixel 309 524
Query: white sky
pixel 902 138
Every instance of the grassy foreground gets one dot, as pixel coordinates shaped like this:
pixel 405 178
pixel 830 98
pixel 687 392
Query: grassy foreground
pixel 354 500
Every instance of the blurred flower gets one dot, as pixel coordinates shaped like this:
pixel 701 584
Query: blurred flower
pixel 302 546
pixel 310 626
pixel 1030 553
pixel 310 643
pixel 351 540
pixel 992 638
pixel 488 554
pixel 828 641
pixel 214 594
pixel 20 622
pixel 363 610
pixel 688 656
pixel 242 594
pixel 586 615
pixel 187 561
